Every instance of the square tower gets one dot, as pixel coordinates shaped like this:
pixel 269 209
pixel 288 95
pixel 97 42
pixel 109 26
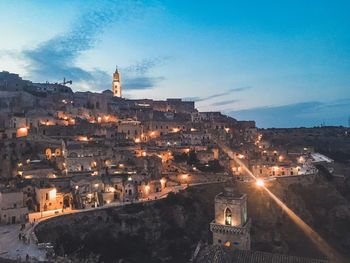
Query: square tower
pixel 231 226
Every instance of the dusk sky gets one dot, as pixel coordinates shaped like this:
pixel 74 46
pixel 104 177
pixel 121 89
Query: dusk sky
pixel 281 63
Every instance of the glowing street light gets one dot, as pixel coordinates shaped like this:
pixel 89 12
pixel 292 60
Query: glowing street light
pixel 163 181
pixel 259 182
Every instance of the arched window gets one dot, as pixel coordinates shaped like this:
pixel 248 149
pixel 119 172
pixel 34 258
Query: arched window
pixel 228 217
pixel 48 153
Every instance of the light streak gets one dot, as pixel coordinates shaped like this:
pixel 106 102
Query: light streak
pixel 321 244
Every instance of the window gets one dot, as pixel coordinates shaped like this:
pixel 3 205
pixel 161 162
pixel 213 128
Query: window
pixel 227 244
pixel 228 217
pixel 47 196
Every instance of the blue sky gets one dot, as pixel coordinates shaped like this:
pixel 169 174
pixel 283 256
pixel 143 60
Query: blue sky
pixel 281 63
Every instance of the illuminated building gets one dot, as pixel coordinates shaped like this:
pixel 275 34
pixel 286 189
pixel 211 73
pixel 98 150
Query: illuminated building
pixel 116 84
pixel 231 226
pixel 22 132
pixel 48 199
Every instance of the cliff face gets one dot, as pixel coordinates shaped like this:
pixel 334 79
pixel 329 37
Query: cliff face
pixel 168 230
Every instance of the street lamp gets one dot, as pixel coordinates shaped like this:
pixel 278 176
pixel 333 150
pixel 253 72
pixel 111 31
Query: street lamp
pixel 259 183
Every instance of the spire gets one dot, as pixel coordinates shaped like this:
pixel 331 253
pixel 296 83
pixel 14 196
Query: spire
pixel 116 83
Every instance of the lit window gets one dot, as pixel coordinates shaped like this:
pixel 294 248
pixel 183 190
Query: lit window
pixel 227 244
pixel 228 217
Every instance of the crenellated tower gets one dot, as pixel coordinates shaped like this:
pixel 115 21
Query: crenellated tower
pixel 231 226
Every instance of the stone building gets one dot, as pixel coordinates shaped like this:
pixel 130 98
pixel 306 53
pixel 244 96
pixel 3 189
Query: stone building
pixel 168 105
pixel 87 190
pixel 12 208
pixel 208 155
pixel 231 226
pixel 132 129
pixel 48 199
pixel 276 170
pixel 83 157
pixel 195 138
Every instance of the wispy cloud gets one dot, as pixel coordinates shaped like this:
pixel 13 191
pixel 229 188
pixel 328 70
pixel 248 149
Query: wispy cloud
pixel 145 65
pixel 221 94
pixel 56 58
pixel 311 113
pixel 224 102
pixel 144 82
pixel 136 77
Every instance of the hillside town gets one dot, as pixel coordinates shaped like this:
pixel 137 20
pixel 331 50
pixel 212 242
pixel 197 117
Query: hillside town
pixel 65 152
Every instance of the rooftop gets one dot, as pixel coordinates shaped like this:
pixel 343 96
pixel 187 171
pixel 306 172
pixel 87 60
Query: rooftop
pixel 221 254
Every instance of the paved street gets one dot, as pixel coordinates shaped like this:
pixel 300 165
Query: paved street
pixel 13 248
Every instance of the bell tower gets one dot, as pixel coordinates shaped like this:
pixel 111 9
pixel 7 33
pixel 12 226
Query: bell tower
pixel 231 226
pixel 116 84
